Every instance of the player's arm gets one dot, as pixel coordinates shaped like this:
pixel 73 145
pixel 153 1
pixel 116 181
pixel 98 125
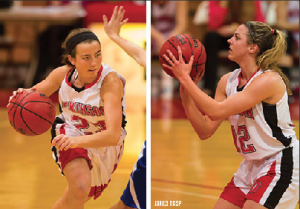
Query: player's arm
pixel 111 93
pixel 202 124
pixel 53 81
pixel 263 88
pixel 112 29
pixel 47 86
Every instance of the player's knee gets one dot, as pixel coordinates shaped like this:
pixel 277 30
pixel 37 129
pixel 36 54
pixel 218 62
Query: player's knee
pixel 80 191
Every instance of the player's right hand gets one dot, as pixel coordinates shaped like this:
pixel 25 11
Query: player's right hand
pixel 64 142
pixel 179 68
pixel 19 91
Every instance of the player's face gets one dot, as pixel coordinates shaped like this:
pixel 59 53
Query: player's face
pixel 238 44
pixel 88 59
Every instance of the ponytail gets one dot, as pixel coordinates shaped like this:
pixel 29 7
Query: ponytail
pixel 272 45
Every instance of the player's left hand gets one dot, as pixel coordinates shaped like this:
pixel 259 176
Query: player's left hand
pixel 64 142
pixel 112 28
pixel 178 67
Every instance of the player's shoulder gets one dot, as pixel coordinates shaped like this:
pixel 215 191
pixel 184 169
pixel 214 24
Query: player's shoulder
pixel 62 69
pixel 271 74
pixel 223 83
pixel 225 77
pixel 112 83
pixel 268 77
pixel 59 73
pixel 112 77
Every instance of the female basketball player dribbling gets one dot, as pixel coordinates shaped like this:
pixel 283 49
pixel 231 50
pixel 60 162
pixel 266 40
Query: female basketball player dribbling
pixel 255 100
pixel 88 135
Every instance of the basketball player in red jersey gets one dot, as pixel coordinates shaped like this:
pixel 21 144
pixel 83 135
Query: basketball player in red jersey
pixel 255 100
pixel 88 135
pixel 134 195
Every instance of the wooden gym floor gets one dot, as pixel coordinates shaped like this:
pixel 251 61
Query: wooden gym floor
pixel 183 168
pixel 186 169
pixel 29 177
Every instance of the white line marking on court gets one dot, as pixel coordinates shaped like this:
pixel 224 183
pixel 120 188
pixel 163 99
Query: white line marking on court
pixel 186 193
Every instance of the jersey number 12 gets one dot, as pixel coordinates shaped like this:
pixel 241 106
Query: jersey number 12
pixel 240 138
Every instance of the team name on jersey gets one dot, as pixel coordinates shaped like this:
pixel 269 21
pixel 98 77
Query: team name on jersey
pixel 84 109
pixel 247 114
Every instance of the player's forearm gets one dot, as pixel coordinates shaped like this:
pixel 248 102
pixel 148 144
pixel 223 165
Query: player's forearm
pixel 105 138
pixel 46 87
pixel 53 81
pixel 198 121
pixel 133 50
pixel 202 101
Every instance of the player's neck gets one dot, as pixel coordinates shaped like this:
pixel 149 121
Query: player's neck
pixel 80 81
pixel 248 70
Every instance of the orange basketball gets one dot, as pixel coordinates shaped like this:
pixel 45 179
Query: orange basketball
pixel 31 113
pixel 189 46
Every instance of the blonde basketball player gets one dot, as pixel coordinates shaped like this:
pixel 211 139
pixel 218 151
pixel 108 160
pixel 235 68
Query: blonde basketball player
pixel 89 133
pixel 255 100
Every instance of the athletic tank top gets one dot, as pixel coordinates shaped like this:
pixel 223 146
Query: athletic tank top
pixel 264 129
pixel 83 108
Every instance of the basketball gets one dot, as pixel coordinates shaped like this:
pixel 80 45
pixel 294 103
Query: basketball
pixel 31 113
pixel 189 46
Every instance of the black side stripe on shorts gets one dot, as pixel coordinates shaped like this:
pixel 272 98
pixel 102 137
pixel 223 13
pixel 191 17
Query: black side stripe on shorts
pixel 53 134
pixel 270 115
pixel 287 166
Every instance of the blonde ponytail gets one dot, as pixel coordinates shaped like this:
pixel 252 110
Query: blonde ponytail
pixel 272 44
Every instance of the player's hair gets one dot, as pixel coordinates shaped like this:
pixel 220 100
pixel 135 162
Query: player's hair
pixel 73 33
pixel 272 45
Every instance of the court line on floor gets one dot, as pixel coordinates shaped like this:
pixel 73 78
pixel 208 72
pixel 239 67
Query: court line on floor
pixel 187 184
pixel 185 193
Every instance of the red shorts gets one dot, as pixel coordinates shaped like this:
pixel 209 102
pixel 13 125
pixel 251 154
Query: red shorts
pixel 71 154
pixel 102 161
pixel 66 156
